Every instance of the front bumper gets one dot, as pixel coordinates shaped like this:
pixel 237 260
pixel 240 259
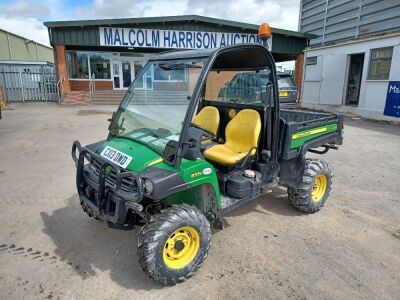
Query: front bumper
pixel 109 191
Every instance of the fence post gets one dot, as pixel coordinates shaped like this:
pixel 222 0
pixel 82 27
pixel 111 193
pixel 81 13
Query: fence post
pixel 44 84
pixel 3 85
pixel 22 85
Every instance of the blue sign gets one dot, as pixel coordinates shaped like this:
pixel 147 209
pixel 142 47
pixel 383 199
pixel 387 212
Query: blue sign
pixel 175 39
pixel 392 107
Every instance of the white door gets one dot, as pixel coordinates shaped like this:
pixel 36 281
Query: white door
pixel 312 80
pixel 116 73
pixel 333 79
pixel 127 72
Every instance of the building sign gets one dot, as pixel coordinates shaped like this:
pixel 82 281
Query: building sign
pixel 175 39
pixel 392 107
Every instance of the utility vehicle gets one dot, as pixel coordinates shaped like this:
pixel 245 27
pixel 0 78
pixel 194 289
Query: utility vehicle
pixel 178 157
pixel 287 90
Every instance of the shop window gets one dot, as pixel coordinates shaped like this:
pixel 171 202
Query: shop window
pixel 77 63
pixel 379 63
pixel 100 65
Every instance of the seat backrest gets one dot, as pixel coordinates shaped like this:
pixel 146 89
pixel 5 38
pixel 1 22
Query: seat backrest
pixel 208 118
pixel 243 131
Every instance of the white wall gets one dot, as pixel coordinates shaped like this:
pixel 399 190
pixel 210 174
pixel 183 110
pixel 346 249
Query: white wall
pixel 325 84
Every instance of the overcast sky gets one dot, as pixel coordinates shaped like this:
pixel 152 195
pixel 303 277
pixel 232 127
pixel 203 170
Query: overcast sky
pixel 26 17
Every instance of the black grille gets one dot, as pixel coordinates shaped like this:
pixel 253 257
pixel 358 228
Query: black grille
pixel 127 184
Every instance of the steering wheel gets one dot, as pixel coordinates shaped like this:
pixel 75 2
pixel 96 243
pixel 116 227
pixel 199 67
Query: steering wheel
pixel 206 133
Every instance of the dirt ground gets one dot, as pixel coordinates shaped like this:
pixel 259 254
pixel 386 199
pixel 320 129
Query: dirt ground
pixel 50 249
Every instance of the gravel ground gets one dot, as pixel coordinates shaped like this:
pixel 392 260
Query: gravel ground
pixel 50 249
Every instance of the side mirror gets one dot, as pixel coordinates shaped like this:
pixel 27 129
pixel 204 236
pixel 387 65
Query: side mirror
pixel 191 145
pixel 111 120
pixel 170 151
pixel 112 117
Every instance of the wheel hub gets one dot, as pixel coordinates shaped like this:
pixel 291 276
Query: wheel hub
pixel 319 188
pixel 181 247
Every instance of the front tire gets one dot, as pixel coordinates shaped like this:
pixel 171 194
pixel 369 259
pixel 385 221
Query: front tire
pixel 311 195
pixel 174 244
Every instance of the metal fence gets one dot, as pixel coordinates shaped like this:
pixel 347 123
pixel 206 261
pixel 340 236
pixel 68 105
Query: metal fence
pixel 29 83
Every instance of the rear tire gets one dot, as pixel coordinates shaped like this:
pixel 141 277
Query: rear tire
pixel 311 195
pixel 174 244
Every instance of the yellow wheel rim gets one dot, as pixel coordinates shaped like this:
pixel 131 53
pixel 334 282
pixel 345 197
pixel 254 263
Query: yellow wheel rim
pixel 181 247
pixel 319 188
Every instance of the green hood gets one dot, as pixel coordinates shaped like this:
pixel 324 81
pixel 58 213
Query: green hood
pixel 142 156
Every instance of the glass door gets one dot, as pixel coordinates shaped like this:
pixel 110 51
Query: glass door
pixel 125 69
pixel 138 65
pixel 123 72
pixel 116 73
pixel 127 77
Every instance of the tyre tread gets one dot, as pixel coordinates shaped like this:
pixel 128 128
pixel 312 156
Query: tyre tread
pixel 150 237
pixel 300 197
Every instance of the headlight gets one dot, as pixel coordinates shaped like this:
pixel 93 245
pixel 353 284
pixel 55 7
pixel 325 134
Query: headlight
pixel 147 186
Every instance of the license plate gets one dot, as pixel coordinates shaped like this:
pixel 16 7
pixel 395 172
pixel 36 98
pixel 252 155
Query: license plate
pixel 283 94
pixel 116 157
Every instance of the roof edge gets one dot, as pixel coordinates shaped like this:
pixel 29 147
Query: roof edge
pixel 25 38
pixel 164 19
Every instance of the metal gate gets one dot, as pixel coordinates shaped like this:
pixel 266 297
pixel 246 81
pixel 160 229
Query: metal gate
pixel 29 83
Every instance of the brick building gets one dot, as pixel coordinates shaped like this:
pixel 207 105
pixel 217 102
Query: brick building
pixel 97 59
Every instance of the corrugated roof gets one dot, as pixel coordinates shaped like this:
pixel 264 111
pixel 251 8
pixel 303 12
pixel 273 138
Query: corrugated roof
pixel 25 38
pixel 166 19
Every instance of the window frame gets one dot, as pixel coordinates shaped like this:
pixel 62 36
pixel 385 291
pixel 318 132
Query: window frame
pixel 310 60
pixel 372 59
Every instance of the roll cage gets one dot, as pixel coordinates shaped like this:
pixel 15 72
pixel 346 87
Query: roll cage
pixel 246 57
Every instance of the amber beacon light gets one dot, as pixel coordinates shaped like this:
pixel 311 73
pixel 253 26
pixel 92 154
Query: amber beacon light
pixel 264 32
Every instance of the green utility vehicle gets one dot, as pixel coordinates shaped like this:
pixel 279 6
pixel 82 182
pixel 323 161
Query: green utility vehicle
pixel 179 156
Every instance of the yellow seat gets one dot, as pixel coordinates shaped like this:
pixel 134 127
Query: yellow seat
pixel 241 134
pixel 208 118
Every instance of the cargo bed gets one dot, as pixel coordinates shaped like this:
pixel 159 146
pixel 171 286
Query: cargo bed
pixel 303 130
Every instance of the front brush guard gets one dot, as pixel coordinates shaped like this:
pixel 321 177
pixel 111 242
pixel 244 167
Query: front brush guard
pixel 106 192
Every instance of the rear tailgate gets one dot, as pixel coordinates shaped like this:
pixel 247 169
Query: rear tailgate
pixel 302 130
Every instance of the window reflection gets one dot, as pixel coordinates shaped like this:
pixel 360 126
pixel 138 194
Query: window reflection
pixel 77 62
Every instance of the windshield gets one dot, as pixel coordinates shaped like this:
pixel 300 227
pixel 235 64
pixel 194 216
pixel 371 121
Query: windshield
pixel 155 106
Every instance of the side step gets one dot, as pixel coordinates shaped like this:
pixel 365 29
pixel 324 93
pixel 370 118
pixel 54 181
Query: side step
pixel 230 203
pixel 270 184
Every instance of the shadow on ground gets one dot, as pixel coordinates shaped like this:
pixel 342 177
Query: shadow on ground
pixel 90 247
pixel 374 125
pixel 274 202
